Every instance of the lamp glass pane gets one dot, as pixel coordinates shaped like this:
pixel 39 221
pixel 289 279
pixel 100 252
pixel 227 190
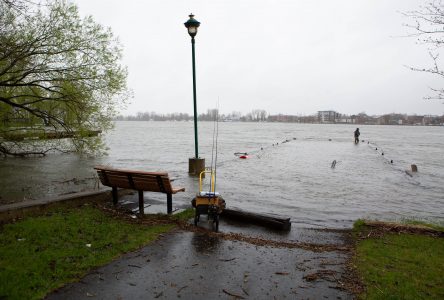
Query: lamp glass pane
pixel 192 30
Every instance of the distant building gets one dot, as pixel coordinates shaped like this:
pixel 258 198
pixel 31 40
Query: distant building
pixel 344 120
pixel 327 116
pixel 363 118
pixel 415 120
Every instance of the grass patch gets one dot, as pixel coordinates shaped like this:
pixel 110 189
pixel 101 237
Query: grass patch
pixel 358 225
pixel 184 215
pixel 40 254
pixel 399 265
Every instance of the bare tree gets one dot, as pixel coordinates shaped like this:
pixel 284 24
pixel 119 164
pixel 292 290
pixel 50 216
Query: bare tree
pixel 264 115
pixel 427 24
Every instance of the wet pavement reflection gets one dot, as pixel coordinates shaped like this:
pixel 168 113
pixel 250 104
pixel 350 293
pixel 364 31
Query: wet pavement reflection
pixel 191 265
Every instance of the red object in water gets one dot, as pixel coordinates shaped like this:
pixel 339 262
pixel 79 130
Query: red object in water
pixel 243 156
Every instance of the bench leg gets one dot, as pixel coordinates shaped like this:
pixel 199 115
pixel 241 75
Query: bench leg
pixel 169 203
pixel 141 204
pixel 115 196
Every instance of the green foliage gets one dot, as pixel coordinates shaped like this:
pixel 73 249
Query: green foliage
pixel 401 266
pixel 37 255
pixel 57 71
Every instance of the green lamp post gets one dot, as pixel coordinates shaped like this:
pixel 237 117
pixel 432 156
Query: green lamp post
pixel 196 164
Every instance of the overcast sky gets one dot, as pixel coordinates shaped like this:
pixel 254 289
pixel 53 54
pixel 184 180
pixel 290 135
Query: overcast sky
pixel 290 57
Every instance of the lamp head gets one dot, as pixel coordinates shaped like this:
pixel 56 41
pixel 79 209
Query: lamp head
pixel 192 24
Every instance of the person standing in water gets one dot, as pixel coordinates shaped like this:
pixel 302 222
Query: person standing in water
pixel 357 134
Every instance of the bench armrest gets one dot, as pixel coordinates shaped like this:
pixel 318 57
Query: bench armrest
pixel 176 190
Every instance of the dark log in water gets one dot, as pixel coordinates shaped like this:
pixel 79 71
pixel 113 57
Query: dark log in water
pixel 258 219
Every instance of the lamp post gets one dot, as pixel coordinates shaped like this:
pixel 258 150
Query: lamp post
pixel 196 164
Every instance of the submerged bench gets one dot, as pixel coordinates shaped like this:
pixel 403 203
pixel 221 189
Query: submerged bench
pixel 140 181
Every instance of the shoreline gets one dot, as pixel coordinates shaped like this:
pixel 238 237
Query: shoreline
pixel 248 262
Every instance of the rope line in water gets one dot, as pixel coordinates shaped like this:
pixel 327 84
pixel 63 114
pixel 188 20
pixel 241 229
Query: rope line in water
pixel 264 148
pixel 262 151
pixel 381 152
pixel 254 152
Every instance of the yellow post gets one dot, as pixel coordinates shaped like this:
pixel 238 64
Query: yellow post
pixel 212 180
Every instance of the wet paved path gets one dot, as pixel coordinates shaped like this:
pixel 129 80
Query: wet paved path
pixel 192 265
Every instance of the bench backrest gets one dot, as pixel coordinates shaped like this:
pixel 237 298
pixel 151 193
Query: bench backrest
pixel 137 180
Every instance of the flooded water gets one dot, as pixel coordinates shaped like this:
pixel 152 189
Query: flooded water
pixel 294 178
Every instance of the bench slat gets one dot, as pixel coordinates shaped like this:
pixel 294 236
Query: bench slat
pixel 138 180
pixel 108 169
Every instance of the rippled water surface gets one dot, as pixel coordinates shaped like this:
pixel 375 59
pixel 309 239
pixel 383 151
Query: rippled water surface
pixel 294 178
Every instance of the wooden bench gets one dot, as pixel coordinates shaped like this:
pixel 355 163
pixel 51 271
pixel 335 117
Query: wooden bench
pixel 140 181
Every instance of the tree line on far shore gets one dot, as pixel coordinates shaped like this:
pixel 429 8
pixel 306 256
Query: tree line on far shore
pixel 259 115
